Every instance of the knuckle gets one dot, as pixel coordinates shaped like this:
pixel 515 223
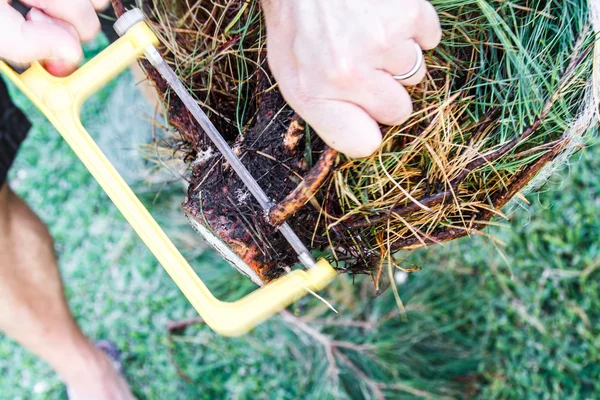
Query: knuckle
pixel 412 13
pixel 342 72
pixel 380 41
pixel 381 45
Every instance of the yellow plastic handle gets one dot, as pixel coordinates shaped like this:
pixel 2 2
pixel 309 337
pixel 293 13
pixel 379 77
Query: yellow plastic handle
pixel 60 99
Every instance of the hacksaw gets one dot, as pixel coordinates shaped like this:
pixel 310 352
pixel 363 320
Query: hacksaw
pixel 60 100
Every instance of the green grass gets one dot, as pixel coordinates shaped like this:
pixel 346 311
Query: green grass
pixel 520 320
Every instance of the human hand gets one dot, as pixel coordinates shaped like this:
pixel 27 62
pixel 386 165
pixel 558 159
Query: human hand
pixel 51 32
pixel 334 61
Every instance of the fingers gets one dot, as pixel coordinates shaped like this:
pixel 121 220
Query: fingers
pixel 339 75
pixel 343 126
pixel 57 67
pixel 380 95
pixel 24 41
pixel 428 33
pixel 36 15
pixel 400 58
pixel 100 5
pixel 79 13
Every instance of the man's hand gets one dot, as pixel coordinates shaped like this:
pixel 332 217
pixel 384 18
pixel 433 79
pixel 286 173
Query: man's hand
pixel 51 32
pixel 334 61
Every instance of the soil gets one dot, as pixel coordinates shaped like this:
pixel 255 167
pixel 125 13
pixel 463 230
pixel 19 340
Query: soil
pixel 217 197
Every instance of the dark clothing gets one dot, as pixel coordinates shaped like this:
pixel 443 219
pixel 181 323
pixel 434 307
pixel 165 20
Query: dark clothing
pixel 14 126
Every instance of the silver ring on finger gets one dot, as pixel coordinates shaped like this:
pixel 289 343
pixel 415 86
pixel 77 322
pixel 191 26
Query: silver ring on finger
pixel 416 68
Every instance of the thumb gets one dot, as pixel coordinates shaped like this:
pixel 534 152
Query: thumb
pixel 60 65
pixel 38 38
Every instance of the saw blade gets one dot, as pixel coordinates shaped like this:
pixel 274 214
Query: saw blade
pixel 304 255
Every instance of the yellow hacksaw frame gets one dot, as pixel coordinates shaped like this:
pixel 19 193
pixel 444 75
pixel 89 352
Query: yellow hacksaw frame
pixel 60 99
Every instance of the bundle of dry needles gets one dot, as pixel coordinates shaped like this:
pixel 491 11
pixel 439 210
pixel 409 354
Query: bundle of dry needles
pixel 509 91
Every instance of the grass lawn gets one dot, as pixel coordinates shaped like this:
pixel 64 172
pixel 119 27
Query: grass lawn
pixel 518 319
